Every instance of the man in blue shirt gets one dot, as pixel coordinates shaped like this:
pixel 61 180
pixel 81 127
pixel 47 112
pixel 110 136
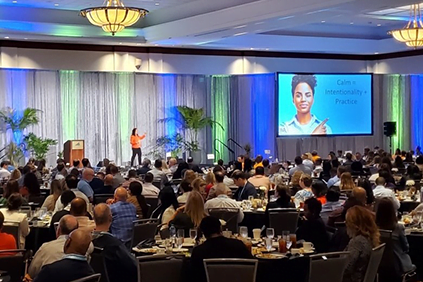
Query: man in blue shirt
pixel 334 180
pixel 84 183
pixel 123 214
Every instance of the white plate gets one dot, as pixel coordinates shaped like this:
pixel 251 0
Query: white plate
pixel 181 250
pixel 308 252
pixel 188 245
pixel 271 250
pixel 272 256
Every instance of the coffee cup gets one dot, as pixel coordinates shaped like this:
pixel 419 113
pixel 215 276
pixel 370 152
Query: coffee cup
pixel 257 234
pixel 308 246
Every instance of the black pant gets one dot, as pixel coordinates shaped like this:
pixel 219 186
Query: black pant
pixel 134 153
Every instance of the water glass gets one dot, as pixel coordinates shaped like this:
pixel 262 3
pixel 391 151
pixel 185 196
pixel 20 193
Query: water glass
pixel 270 233
pixel 193 234
pixel 243 231
pixel 180 234
pixel 268 244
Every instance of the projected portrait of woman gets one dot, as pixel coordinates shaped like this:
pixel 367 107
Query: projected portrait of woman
pixel 304 122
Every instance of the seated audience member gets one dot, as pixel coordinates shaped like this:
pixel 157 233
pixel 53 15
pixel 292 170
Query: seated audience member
pixel 302 195
pixel 71 183
pixel 148 189
pixel 145 167
pixel 137 199
pixel 158 173
pixel 349 160
pixel 84 183
pixel 56 189
pixel 74 264
pixel 243 163
pixel 332 203
pixel 259 179
pixel 319 190
pixel 79 210
pixel 398 163
pixel 132 176
pixel 359 158
pixel 108 184
pixel 299 166
pixel 193 166
pixel 313 229
pixel 216 246
pixel 339 214
pixel 336 180
pixel 53 251
pixel 4 172
pixel 245 188
pixel 173 165
pixel 266 166
pixel 386 219
pixel 12 214
pixel 190 216
pixel 364 234
pixel 66 198
pixel 121 265
pixel 413 173
pixel 7 241
pixel 347 183
pixel 389 179
pixel 86 163
pixel 365 184
pixel 295 182
pixel 181 167
pixel 167 207
pixel 283 199
pixel 11 187
pixel 189 176
pixel 15 175
pixel 220 178
pixel 381 191
pixel 117 177
pixel 100 175
pixel 314 156
pixel 419 163
pixel 165 168
pixel 360 195
pixel 186 189
pixel 318 168
pixel 223 201
pixel 210 181
pixel 308 161
pixel 199 185
pixel 124 214
pixel 258 162
pixel 31 188
pixel 97 184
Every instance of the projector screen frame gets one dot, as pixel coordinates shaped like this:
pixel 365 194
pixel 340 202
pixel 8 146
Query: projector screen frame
pixel 320 136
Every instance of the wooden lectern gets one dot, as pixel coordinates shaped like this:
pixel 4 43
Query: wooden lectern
pixel 74 150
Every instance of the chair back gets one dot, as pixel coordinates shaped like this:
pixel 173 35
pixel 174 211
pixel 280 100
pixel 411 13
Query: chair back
pixel 229 270
pixel 390 266
pixel 328 267
pixel 229 215
pixel 91 278
pixel 373 266
pixel 144 229
pixel 283 220
pixel 12 228
pixel 98 264
pixel 160 268
pixel 13 262
pixel 101 198
pixel 153 202
pixel 157 183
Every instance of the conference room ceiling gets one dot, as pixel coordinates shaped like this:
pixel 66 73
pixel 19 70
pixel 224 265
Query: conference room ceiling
pixel 318 26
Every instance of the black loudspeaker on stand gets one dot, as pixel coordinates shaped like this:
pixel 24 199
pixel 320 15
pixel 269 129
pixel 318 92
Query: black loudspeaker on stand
pixel 390 129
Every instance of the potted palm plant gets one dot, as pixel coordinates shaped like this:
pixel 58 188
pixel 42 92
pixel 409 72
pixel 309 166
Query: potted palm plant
pixel 194 120
pixel 38 146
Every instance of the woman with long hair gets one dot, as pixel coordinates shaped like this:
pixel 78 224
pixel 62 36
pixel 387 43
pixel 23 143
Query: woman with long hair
pixel 31 188
pixel 182 167
pixel 200 185
pixel 191 214
pixel 347 182
pixel 56 189
pixel 137 199
pixel 295 181
pixel 386 218
pixel 210 181
pixel 15 175
pixel 398 163
pixel 364 234
pixel 136 145
pixel 366 185
pixel 168 205
pixel 12 186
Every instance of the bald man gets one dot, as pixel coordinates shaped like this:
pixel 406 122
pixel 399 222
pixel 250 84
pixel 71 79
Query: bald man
pixel 79 211
pixel 84 183
pixel 74 264
pixel 223 201
pixel 120 264
pixel 123 214
pixel 53 251
pixel 360 195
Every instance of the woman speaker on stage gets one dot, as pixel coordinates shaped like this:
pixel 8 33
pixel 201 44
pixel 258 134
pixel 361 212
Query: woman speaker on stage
pixel 136 146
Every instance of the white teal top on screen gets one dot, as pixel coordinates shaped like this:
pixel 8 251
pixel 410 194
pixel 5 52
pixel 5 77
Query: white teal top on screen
pixel 293 127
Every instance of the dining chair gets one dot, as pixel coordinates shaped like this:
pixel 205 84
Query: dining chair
pixel 101 198
pixel 153 202
pixel 374 262
pixel 328 267
pixel 98 264
pixel 281 219
pixel 229 215
pixel 230 269
pixel 13 262
pixel 12 228
pixel 143 229
pixel 91 278
pixel 160 268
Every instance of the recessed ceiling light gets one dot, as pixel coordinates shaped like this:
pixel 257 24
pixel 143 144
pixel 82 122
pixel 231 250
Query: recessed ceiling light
pixel 323 21
pixel 351 22
pixel 6 37
pixel 156 44
pixel 240 26
pixel 259 23
pixel 251 48
pixel 25 38
pixel 267 49
pixel 14 1
pixel 379 25
pixel 120 43
pixel 56 4
pixel 241 33
pixel 157 4
pixel 376 53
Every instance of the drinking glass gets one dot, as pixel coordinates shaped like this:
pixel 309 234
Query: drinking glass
pixel 270 233
pixel 268 244
pixel 243 231
pixel 180 238
pixel 193 234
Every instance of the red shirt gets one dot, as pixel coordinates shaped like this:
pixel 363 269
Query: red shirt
pixel 322 200
pixel 7 242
